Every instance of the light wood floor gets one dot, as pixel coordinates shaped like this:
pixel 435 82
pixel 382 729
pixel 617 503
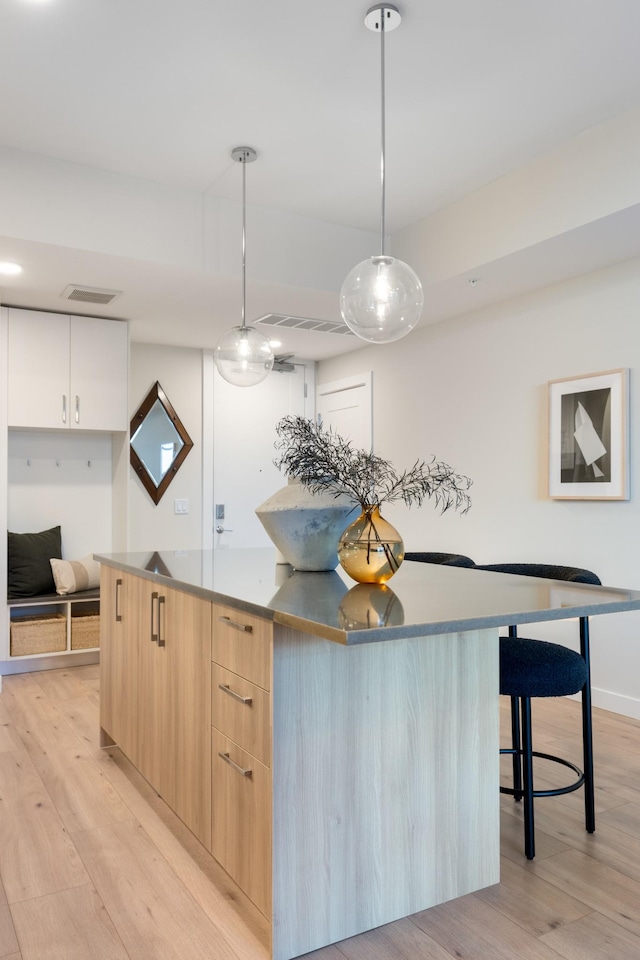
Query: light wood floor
pixel 95 867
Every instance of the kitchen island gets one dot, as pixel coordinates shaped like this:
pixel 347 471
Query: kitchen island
pixel 334 746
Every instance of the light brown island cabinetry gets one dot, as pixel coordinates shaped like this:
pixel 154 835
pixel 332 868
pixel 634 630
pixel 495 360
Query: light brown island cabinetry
pixel 156 689
pixel 241 750
pixel 345 786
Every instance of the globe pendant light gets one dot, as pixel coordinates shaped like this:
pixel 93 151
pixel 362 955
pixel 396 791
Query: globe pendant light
pixel 243 356
pixel 381 299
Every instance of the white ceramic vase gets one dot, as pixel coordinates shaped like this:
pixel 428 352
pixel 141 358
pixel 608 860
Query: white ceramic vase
pixel 305 526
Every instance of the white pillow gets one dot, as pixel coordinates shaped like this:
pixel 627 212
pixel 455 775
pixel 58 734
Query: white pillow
pixel 72 575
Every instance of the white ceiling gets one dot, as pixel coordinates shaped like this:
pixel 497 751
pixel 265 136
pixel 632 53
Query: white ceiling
pixel 164 90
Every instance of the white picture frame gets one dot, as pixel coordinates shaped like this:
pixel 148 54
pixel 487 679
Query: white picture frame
pixel 589 437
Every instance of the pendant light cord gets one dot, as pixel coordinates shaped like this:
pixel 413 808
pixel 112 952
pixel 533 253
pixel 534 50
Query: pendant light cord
pixel 244 239
pixel 382 128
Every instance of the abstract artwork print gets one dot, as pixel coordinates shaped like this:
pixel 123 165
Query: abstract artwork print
pixel 588 437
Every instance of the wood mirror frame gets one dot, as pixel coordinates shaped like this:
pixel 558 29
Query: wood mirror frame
pixel 157 490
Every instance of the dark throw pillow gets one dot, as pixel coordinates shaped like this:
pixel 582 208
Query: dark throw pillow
pixel 29 570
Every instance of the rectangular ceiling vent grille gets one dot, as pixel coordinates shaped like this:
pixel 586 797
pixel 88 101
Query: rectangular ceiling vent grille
pixel 89 294
pixel 305 323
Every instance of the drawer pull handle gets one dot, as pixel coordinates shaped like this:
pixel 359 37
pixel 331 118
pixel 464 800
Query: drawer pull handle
pixel 244 627
pixel 236 767
pixel 236 696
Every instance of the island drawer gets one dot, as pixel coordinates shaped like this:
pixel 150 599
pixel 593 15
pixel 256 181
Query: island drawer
pixel 242 644
pixel 241 710
pixel 241 819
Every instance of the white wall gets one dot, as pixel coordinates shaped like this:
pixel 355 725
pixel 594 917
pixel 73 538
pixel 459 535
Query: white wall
pixel 61 478
pixel 473 391
pixel 179 372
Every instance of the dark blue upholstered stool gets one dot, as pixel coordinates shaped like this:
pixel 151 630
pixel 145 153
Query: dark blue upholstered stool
pixel 449 559
pixel 535 668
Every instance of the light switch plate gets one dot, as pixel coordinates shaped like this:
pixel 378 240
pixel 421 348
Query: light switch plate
pixel 181 506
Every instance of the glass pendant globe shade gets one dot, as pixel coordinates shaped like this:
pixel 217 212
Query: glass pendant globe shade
pixel 381 299
pixel 243 356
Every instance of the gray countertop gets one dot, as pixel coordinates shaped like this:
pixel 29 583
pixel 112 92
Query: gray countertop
pixel 421 599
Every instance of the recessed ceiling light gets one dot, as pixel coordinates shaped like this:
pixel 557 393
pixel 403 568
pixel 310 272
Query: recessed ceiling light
pixel 9 269
pixel 274 344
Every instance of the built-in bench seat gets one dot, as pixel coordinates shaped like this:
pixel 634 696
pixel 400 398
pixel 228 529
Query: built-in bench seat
pixel 54 598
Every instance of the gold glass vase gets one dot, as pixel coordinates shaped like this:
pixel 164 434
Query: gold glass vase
pixel 370 550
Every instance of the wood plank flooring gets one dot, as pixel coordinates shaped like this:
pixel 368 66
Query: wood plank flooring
pixel 94 866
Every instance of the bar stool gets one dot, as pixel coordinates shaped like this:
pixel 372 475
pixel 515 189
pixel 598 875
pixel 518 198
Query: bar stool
pixel 449 559
pixel 536 668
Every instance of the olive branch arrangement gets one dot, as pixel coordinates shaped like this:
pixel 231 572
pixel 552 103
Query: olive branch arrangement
pixel 322 460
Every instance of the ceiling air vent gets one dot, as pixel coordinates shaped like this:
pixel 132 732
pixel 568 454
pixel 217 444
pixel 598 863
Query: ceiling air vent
pixel 305 323
pixel 89 294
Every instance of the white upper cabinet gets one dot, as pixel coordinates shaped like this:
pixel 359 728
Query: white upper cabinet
pixel 38 369
pixel 67 372
pixel 98 374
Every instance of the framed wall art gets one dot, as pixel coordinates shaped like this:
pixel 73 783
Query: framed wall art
pixel 588 437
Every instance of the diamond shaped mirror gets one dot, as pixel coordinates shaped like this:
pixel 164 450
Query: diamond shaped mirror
pixel 159 442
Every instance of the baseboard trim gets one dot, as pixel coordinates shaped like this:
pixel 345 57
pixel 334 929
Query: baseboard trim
pixel 616 703
pixel 30 664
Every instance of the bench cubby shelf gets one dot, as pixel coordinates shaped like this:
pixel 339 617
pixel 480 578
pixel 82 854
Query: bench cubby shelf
pixel 52 625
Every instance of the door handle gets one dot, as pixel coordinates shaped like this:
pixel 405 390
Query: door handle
pixel 161 621
pixel 64 408
pixel 77 408
pixel 118 588
pixel 154 636
pixel 221 529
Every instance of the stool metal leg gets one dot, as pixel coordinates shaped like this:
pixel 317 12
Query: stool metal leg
pixel 527 770
pixel 516 740
pixel 516 745
pixel 587 732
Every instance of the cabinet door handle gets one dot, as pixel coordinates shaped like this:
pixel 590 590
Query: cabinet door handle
pixel 244 627
pixel 154 636
pixel 236 696
pixel 161 621
pixel 64 408
pixel 236 767
pixel 118 588
pixel 77 408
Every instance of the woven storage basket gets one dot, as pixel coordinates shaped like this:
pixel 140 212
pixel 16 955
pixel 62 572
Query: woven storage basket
pixel 85 632
pixel 41 633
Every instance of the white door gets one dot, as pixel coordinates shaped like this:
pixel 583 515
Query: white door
pixel 244 421
pixel 347 407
